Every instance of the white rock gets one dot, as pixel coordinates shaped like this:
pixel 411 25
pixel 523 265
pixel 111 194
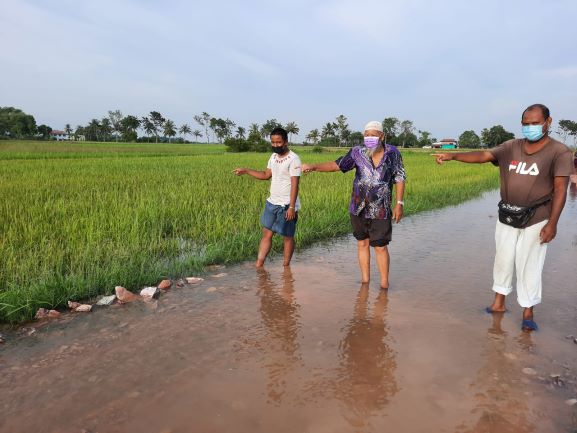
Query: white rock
pixel 73 305
pixel 106 300
pixel 150 292
pixel 194 280
pixel 529 371
pixel 571 402
pixel 84 308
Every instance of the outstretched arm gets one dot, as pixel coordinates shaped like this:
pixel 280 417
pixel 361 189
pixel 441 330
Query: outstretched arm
pixel 261 175
pixel 549 230
pixel 321 166
pixel 477 157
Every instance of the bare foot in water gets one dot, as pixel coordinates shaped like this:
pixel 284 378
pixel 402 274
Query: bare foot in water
pixel 498 305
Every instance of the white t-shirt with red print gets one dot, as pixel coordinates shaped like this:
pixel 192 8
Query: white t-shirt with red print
pixel 283 168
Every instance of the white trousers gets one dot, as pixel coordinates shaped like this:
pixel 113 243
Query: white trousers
pixel 519 251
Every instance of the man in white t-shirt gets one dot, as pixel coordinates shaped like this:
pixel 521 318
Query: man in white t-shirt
pixel 281 209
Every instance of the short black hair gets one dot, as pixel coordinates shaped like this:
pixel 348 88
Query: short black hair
pixel 280 131
pixel 543 108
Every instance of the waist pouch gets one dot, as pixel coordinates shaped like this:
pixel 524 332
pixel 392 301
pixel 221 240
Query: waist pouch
pixel 517 216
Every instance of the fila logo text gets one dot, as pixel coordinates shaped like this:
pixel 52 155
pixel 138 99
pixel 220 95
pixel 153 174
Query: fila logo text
pixel 521 168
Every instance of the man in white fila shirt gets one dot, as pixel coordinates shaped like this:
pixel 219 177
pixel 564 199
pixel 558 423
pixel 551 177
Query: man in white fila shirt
pixel 281 208
pixel 534 173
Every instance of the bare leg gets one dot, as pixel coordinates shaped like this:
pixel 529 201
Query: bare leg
pixel 364 254
pixel 264 247
pixel 383 260
pixel 528 313
pixel 498 304
pixel 289 248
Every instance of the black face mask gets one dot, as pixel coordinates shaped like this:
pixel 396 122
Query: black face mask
pixel 279 150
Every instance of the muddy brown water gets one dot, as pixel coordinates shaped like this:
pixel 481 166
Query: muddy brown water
pixel 310 349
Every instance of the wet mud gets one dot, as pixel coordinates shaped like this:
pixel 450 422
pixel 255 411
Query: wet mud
pixel 310 349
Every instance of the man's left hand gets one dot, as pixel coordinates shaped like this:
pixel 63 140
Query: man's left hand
pixel 398 213
pixel 290 214
pixel 548 233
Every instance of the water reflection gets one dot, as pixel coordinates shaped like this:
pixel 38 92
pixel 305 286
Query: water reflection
pixel 280 315
pixel 500 403
pixel 365 378
pixel 573 191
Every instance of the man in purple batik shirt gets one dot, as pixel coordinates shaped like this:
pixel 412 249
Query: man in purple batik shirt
pixel 378 166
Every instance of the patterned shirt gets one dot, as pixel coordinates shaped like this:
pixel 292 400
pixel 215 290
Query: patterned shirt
pixel 372 187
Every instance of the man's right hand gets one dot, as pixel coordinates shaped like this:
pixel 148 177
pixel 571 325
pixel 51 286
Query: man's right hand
pixel 442 157
pixel 239 171
pixel 307 168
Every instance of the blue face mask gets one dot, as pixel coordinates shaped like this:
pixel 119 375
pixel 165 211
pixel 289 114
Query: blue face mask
pixel 533 132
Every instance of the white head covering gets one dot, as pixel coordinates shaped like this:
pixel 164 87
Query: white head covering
pixel 374 125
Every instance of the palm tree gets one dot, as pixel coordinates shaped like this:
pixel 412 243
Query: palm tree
pixel 240 131
pixel 328 130
pixel 68 130
pixel 185 129
pixel 169 129
pixel 149 128
pixel 254 128
pixel 313 136
pixel 229 127
pixel 292 128
pixel 94 129
pixel 128 127
pixel 158 121
pixel 105 128
pixel 197 134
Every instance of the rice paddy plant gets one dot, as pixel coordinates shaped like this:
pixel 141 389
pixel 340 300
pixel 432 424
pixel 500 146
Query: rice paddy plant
pixel 76 226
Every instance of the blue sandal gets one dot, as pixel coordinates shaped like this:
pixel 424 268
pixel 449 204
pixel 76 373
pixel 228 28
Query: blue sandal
pixel 489 310
pixel 529 325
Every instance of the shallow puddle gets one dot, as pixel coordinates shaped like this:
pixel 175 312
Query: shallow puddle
pixel 310 349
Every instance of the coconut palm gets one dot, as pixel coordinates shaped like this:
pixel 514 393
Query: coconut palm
pixel 313 136
pixel 169 129
pixel 292 128
pixel 185 129
pixel 240 132
pixel 149 128
pixel 197 134
pixel 328 130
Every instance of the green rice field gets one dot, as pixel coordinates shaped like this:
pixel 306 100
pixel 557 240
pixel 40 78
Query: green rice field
pixel 77 219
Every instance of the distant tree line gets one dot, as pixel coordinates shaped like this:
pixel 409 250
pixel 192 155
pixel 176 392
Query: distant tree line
pixel 154 127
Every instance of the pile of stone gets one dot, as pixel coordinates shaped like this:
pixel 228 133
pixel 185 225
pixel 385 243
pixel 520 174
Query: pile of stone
pixel 121 296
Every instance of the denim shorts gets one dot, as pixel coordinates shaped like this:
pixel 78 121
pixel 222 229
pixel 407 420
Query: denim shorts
pixel 273 218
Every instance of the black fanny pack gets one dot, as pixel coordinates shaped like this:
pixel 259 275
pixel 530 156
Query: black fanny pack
pixel 517 216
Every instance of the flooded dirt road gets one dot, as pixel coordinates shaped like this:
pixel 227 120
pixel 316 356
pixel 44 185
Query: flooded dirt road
pixel 310 349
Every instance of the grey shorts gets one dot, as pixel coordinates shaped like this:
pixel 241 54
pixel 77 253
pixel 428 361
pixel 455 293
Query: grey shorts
pixel 379 232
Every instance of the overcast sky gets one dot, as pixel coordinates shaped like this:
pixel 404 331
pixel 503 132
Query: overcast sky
pixel 447 65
